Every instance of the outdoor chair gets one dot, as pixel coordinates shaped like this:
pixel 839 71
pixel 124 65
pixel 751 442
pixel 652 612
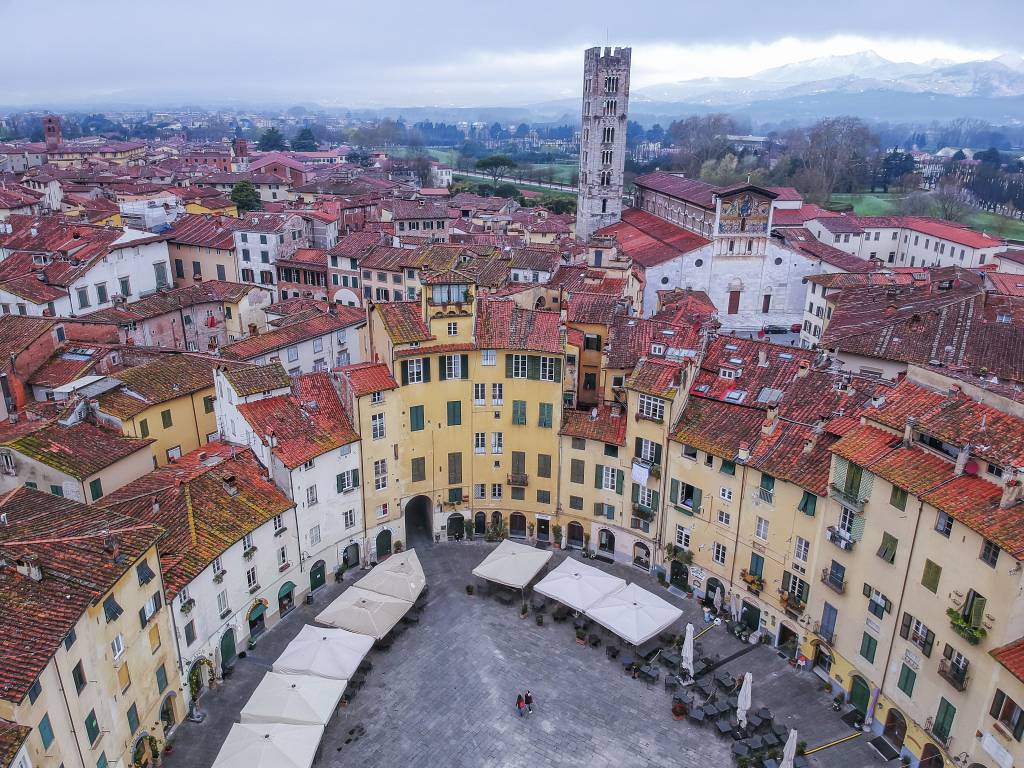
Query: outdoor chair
pixel 696 715
pixel 561 613
pixel 770 739
pixel 384 644
pixel 671 683
pixel 594 640
pixel 364 666
pixel 723 727
pixel 611 651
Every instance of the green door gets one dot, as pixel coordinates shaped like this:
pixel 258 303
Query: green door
pixel 227 649
pixel 317 575
pixel 860 695
pixel 383 544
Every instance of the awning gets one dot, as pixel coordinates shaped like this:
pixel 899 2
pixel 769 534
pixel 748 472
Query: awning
pixel 296 699
pixel 287 587
pixel 331 653
pixel 399 576
pixel 269 745
pixel 634 614
pixel 364 612
pixel 513 565
pixel 578 585
pixel 257 610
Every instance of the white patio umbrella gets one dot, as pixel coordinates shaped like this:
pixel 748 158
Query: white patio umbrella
pixel 634 614
pixel 269 745
pixel 511 564
pixel 789 752
pixel 399 576
pixel 364 612
pixel 743 700
pixel 296 699
pixel 688 650
pixel 331 653
pixel 577 585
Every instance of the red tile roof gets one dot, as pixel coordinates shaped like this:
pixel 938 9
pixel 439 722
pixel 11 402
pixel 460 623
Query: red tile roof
pixel 802 241
pixel 649 240
pixel 631 338
pixel 366 378
pixel 303 425
pixel 79 450
pixel 656 377
pixel 253 379
pixel 318 325
pixel 204 231
pixel 1011 656
pixel 797 217
pixel 18 332
pixel 603 425
pixel 157 382
pixel 501 324
pixel 403 321
pixel 692 190
pixel 201 514
pixel 12 737
pixel 592 308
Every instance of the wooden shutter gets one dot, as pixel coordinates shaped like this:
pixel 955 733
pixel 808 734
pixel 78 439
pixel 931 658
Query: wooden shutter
pixel 657 454
pixel 405 372
pixel 905 625
pixel 930 579
pixel 599 476
pixel 508 366
pixel 464 366
pixel 598 509
pixel 355 478
pixel 977 610
pixel 426 369
pixel 867 590
pixel 442 369
pixel 997 704
pixel 857 532
pixel 673 491
pixel 454 468
pixel 635 495
pixel 619 481
pixel 697 496
pixel 557 363
pixel 929 641
pixel 638 451
pixel 655 498
pixel 533 367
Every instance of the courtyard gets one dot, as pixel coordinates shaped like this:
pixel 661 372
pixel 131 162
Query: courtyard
pixel 444 694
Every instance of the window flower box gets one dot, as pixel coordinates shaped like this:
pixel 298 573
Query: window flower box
pixel 218 577
pixel 284 567
pixel 254 589
pixel 250 553
pixel 964 628
pixel 188 605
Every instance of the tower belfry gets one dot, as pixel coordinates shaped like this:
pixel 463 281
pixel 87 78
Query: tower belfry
pixel 603 138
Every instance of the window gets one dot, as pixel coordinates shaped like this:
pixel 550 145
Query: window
pixel 377 426
pixel 314 535
pixel 548 367
pixel 878 604
pixel 887 549
pixel 165 418
pixel 454 367
pixel 727 467
pixel 906 681
pixel 543 497
pixel 808 503
pixel 543 465
pixel 944 524
pixel 479 394
pixel 766 488
pixel 868 646
pixel 611 451
pixel 161 678
pixel 92 727
pixel 545 415
pixel 761 529
pixel 576 471
pixel 519 412
pixel 846 518
pixel 898 498
pixel 519 366
pixel 917 632
pixel 83 297
pixel 349 518
pixel 652 407
pixel 382 510
pixel 101 293
pixel 415 371
pixel 46 731
pixel 133 718
pixel 989 553
pixel 608 478
pixel 718 553
pixel 795 587
pixel 77 674
pixel 801 549
pixel 222 601
pixel 931 576
pixel 480 491
pixel 416 418
pixel 380 474
pixel 497 394
pixel 479 442
pixel 96 488
pixel 1006 711
pixel 682 537
pixel 724 517
pixel 208 402
pixel 453 329
pixel 293 354
pixel 311 498
pixel 454 413
pixel 488 357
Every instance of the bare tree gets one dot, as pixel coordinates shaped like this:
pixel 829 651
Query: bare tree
pixel 840 151
pixel 949 201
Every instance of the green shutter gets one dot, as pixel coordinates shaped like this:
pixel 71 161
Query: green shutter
pixel 508 366
pixel 546 413
pixel 930 579
pixel 619 481
pixel 638 447
pixel 944 720
pixel 905 625
pixel 977 610
pixel 355 478
pixel 808 503
pixel 673 491
pixel 340 485
pixel 598 509
pixel 929 641
pixel 442 369
pixel 426 369
pixel 464 366
pixel 635 494
pixel 887 549
pixel 655 498
pixel 697 496
pixel 906 681
pixel 599 476
pixel 415 418
pixel 657 454
pixel 997 704
pixel 857 529
pixel 454 413
pixel 557 361
pixel 868 644
pixel 533 367
pixel 405 372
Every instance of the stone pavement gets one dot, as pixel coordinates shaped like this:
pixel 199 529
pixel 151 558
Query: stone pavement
pixel 444 694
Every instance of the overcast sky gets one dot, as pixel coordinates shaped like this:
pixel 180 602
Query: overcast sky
pixel 408 53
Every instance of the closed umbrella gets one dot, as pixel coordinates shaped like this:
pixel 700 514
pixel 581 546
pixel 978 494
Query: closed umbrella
pixel 688 650
pixel 718 601
pixel 789 753
pixel 735 607
pixel 743 700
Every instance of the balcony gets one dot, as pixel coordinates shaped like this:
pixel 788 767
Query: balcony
pixel 519 479
pixel 764 495
pixel 643 512
pixel 830 581
pixel 843 497
pixel 954 674
pixel 829 637
pixel 840 538
pixel 792 604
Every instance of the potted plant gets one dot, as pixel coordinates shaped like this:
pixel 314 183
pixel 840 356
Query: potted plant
pixel 398 547
pixel 530 528
pixel 581 637
pixel 469 589
pixel 556 531
pixel 801 747
pixel 523 610
pixel 586 542
pixel 468 526
pixel 661 578
pixel 964 628
pixel 188 605
pixel 678 711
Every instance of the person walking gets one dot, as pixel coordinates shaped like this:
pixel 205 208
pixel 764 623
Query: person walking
pixel 528 700
pixel 520 705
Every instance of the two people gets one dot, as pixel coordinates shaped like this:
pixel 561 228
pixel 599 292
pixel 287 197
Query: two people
pixel 524 704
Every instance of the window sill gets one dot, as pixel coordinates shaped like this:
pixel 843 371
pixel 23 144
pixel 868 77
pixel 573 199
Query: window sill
pixel 254 589
pixel 280 531
pixel 225 613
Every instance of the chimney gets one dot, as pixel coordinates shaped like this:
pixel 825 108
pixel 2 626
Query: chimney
pixel 230 488
pixel 803 370
pixel 29 566
pixel 1011 488
pixel 954 392
pixel 890 309
pixel 112 545
pixel 744 452
pixel 908 431
pixel 878 401
pixel 616 411
pixel 156 505
pixel 593 414
pixel 762 358
pixel 961 459
pixel 771 419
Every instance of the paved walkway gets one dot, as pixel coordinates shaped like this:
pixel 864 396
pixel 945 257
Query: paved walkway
pixel 444 694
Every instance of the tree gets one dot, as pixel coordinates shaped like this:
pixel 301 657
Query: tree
pixel 949 201
pixel 839 155
pixel 304 141
pixel 423 170
pixel 958 156
pixel 522 131
pixel 245 196
pixel 496 166
pixel 271 140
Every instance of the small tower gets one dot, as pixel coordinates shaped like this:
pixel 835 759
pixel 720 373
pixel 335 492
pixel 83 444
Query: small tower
pixel 603 138
pixel 51 132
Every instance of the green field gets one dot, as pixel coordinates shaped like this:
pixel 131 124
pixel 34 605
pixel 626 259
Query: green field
pixel 880 204
pixel 456 176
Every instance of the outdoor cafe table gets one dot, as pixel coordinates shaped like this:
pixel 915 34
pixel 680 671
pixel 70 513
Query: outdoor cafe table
pixel 670 659
pixel 705 686
pixel 771 740
pixel 723 726
pixel 697 715
pixel 780 731
pixel 765 714
pixel 753 721
pixel 740 749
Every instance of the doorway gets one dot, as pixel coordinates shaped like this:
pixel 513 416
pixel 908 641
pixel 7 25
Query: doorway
pixel 257 619
pixel 931 757
pixel 228 651
pixel 517 525
pixel 895 729
pixel 789 642
pixel 642 556
pixel 713 587
pixel 479 524
pixel 383 544
pixel 750 617
pixel 574 534
pixel 860 695
pixel 286 597
pixel 678 575
pixel 543 529
pixel 168 717
pixel 317 575
pixel 418 519
pixel 350 558
pixel 456 526
pixel 606 542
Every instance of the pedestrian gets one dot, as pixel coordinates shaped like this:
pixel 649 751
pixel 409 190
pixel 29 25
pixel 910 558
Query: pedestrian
pixel 528 699
pixel 520 705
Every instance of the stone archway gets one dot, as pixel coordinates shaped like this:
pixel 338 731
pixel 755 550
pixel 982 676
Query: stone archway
pixel 606 542
pixel 168 712
pixel 713 585
pixel 479 523
pixel 383 544
pixel 895 730
pixel 574 535
pixel 678 574
pixel 228 650
pixel 931 757
pixel 517 525
pixel 456 527
pixel 419 523
pixel 642 556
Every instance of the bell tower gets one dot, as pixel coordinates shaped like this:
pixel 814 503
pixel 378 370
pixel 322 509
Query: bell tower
pixel 51 132
pixel 603 138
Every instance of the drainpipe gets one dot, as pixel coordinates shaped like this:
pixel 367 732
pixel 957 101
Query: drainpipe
pixel 739 521
pixel 295 514
pixel 67 707
pixel 870 716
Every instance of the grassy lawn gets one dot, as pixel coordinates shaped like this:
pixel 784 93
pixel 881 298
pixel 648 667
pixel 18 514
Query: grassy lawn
pixel 531 187
pixel 880 204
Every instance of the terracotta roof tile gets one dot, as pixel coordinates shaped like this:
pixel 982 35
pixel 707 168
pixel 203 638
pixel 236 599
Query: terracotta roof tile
pixel 318 325
pixel 649 240
pixel 251 380
pixel 1011 656
pixel 368 377
pixel 79 450
pixel 604 426
pixel 502 324
pixel 12 736
pixel 403 321
pixel 656 377
pixel 157 382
